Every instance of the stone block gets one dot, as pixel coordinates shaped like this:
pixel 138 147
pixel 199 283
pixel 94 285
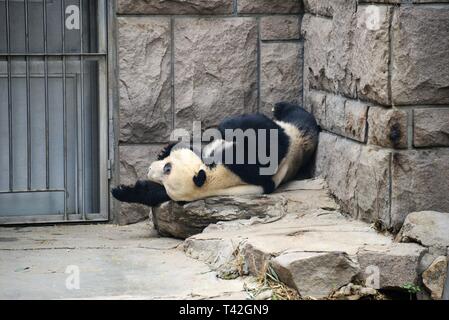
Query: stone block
pixel 356 113
pixel 335 113
pixel 431 127
pixel 279 28
pixel 215 69
pixel 319 7
pixel 346 54
pixel 430 228
pixel 370 63
pixel 317 34
pixel 174 7
pixel 339 115
pixel 388 127
pixel 357 175
pixel 268 6
pixel 420 59
pixel 281 74
pixel 419 182
pixel 135 160
pixel 145 85
pixel 394 265
pixel 315 103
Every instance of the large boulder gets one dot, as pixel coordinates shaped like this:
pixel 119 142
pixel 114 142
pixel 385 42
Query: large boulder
pixel 182 221
pixel 429 228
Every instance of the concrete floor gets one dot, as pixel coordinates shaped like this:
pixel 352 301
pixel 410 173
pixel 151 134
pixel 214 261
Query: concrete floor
pixel 129 262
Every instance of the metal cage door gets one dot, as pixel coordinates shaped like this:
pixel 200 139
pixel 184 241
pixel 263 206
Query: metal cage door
pixel 53 111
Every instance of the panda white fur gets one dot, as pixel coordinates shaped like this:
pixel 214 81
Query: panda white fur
pixel 181 174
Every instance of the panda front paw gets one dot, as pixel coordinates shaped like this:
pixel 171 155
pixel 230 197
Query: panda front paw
pixel 122 192
pixel 143 192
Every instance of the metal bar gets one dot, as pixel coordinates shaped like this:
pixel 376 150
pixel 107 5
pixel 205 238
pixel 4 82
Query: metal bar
pixel 49 54
pixel 103 136
pixel 81 26
pixel 112 101
pixel 47 140
pixel 50 75
pixel 103 109
pixel 50 218
pixel 92 23
pixel 64 112
pixel 28 90
pixel 83 165
pixel 26 191
pixel 8 46
pixel 102 27
pixel 77 184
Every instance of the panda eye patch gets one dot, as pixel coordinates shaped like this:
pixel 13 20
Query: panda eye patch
pixel 167 168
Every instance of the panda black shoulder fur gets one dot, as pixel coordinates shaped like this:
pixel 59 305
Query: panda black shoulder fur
pixel 183 174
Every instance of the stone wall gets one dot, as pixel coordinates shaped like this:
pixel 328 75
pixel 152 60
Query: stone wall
pixel 181 61
pixel 376 76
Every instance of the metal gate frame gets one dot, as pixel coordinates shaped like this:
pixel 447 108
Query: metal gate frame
pixel 107 100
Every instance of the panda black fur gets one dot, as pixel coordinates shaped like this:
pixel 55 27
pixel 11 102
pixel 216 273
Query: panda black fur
pixel 180 174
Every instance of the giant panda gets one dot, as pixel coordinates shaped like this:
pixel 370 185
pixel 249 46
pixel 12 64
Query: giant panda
pixel 184 174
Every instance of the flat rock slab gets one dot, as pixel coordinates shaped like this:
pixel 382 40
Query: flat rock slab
pixel 114 262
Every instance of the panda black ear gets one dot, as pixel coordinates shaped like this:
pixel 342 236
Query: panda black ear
pixel 200 178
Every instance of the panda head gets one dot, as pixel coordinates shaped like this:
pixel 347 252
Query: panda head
pixel 181 173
